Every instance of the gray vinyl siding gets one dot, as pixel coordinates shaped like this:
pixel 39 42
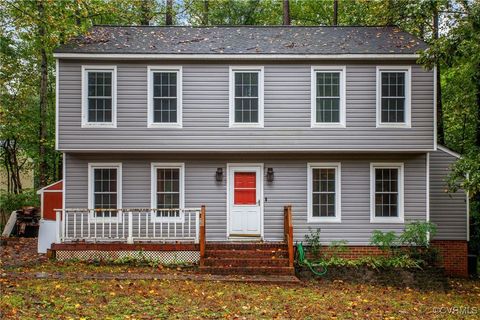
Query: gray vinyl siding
pixel 447 210
pixel 288 187
pixel 287 111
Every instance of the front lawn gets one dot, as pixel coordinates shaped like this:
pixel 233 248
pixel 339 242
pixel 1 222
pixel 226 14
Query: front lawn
pixel 22 296
pixel 148 299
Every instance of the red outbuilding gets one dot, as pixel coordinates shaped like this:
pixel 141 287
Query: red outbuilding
pixel 51 199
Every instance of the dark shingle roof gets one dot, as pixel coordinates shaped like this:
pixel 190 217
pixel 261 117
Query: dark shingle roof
pixel 244 40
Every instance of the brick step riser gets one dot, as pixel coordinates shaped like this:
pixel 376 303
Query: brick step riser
pixel 248 253
pixel 246 263
pixel 248 271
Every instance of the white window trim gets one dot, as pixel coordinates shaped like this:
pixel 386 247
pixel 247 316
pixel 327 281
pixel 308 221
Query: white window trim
pixel 150 71
pixel 98 68
pixel 91 181
pixel 232 70
pixel 408 96
pixel 401 193
pixel 338 192
pixel 153 190
pixel 343 96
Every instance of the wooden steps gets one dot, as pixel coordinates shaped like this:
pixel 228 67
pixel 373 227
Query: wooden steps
pixel 246 259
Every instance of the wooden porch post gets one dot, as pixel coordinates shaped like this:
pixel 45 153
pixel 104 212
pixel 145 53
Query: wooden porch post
pixel 287 210
pixel 202 235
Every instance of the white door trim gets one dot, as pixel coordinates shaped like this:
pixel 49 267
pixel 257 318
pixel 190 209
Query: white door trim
pixel 229 192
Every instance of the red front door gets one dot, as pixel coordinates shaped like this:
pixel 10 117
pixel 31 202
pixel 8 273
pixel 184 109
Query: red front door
pixel 245 209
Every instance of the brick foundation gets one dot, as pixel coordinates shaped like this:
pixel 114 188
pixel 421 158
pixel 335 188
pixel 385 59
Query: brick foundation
pixel 353 252
pixel 454 255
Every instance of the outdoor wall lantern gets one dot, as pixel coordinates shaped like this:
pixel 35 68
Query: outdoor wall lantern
pixel 270 175
pixel 219 174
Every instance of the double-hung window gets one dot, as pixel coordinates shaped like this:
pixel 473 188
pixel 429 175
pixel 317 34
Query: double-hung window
pixel 246 96
pixel 167 191
pixel 393 97
pixel 328 96
pixel 99 96
pixel 164 96
pixel 386 187
pixel 324 192
pixel 105 189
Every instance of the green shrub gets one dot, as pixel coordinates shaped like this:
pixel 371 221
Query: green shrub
pixel 417 233
pixel 10 202
pixel 401 261
pixel 313 242
pixel 384 240
pixel 414 242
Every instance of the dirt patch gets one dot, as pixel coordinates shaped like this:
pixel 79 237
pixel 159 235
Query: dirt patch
pixel 422 279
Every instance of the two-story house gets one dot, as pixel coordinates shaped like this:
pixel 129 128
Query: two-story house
pixel 337 122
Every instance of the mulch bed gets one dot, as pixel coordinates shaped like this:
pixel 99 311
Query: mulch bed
pixel 423 279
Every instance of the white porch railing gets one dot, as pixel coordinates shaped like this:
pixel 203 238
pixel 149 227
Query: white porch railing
pixel 127 225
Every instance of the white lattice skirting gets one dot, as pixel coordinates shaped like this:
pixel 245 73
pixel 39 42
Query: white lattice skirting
pixel 163 257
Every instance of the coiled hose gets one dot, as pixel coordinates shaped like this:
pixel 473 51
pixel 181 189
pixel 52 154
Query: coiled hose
pixel 316 268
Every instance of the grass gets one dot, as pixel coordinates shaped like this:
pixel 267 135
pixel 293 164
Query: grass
pixel 139 299
pixel 77 298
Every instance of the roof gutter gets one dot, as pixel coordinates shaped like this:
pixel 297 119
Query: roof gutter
pixel 188 56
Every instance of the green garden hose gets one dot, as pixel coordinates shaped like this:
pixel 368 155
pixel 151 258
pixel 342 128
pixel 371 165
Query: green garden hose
pixel 312 266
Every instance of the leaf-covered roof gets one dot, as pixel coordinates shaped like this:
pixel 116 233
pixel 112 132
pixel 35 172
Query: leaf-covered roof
pixel 244 40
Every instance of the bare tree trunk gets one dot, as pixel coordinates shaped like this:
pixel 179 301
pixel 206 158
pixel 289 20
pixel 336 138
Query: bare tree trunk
pixel 42 134
pixel 169 13
pixel 390 9
pixel 144 13
pixel 16 167
pixel 6 165
pixel 477 81
pixel 12 167
pixel 440 128
pixel 286 12
pixel 335 12
pixel 205 13
pixel 78 20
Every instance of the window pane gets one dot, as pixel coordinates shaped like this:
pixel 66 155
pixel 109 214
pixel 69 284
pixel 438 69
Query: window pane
pixel 246 110
pixel 105 189
pixel 328 84
pixel 328 97
pixel 99 110
pixel 328 110
pixel 324 193
pixel 393 97
pixel 386 192
pixel 168 188
pixel 164 110
pixel 246 97
pixel 99 96
pixel 164 97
